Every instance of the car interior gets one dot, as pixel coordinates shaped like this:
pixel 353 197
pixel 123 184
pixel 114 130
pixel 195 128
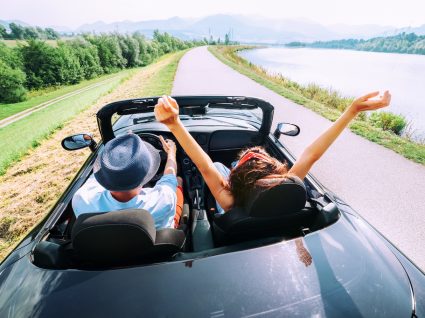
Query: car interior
pixel 129 238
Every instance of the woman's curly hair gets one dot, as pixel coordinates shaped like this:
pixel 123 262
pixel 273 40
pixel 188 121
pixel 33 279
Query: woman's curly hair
pixel 246 178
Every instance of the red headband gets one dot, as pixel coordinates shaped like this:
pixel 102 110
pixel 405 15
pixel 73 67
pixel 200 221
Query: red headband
pixel 252 155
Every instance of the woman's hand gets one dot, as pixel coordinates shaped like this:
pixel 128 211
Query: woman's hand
pixel 368 102
pixel 167 111
pixel 168 145
pixel 313 152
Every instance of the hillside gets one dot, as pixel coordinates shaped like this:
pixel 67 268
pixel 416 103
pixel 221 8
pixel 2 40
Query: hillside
pixel 408 43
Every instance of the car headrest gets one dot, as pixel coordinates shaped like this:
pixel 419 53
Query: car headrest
pixel 273 211
pixel 285 198
pixel 113 236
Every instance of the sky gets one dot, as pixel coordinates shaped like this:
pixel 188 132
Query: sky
pixel 398 13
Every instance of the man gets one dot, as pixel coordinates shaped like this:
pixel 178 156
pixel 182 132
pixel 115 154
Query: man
pixel 121 170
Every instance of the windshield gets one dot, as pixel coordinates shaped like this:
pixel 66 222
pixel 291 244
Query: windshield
pixel 224 113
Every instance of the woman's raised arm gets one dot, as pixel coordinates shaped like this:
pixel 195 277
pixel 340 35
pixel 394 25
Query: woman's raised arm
pixel 313 152
pixel 167 112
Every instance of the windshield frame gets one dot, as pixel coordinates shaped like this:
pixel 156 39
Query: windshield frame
pixel 193 105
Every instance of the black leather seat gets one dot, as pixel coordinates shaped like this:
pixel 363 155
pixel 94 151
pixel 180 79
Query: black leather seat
pixel 275 211
pixel 123 237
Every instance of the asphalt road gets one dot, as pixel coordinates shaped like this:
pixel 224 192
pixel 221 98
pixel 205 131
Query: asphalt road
pixel 384 187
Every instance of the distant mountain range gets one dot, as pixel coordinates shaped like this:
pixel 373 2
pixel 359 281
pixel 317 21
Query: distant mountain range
pixel 245 29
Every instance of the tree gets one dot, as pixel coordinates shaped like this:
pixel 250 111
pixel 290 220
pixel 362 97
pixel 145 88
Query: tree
pixel 16 31
pixel 87 56
pixel 31 33
pixel 3 33
pixel 109 51
pixel 227 39
pixel 12 82
pixel 41 64
pixel 51 34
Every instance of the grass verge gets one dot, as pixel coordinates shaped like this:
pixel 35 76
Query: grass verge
pixel 18 137
pixel 328 104
pixel 44 95
pixel 30 187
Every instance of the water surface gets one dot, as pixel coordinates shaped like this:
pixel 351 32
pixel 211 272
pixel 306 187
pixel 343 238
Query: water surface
pixel 353 73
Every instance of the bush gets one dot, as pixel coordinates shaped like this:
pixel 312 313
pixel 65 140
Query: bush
pixel 388 121
pixel 87 56
pixel 12 82
pixel 41 64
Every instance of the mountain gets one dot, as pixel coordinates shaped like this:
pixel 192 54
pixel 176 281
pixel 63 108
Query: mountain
pixel 364 31
pixel 6 23
pixel 420 30
pixel 245 29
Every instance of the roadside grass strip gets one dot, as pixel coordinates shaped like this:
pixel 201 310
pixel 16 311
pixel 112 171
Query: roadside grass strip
pixel 17 137
pixel 49 94
pixel 30 187
pixel 289 89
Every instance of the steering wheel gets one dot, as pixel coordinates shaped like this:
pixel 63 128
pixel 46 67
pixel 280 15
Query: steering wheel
pixel 154 140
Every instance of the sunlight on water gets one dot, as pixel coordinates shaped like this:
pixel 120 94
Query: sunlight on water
pixel 353 73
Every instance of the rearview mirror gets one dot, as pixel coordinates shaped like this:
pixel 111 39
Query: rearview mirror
pixel 286 129
pixel 79 141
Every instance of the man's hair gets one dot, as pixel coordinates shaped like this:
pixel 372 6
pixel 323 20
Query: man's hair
pixel 244 179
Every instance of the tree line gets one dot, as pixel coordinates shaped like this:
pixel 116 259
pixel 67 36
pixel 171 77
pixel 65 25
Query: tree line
pixel 408 43
pixel 35 64
pixel 19 32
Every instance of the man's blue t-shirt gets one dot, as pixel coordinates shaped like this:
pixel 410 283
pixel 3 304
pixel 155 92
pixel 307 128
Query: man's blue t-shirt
pixel 159 201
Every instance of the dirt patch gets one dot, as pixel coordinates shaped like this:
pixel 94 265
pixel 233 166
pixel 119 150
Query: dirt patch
pixel 31 186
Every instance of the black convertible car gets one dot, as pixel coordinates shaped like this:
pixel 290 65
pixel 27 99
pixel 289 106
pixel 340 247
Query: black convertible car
pixel 297 251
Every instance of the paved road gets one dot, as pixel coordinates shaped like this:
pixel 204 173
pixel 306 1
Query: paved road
pixel 18 116
pixel 387 189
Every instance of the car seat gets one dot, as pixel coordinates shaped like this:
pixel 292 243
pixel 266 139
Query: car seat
pixel 123 237
pixel 275 211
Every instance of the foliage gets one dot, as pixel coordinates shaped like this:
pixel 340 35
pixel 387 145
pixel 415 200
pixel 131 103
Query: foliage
pixel 388 121
pixel 86 57
pixel 41 64
pixel 12 82
pixel 402 43
pixel 19 32
pixel 3 32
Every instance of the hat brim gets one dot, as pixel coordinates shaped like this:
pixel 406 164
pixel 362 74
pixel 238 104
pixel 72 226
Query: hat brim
pixel 104 181
pixel 156 162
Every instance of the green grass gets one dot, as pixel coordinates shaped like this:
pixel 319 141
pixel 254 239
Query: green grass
pixel 327 103
pixel 14 224
pixel 44 95
pixel 18 137
pixel 162 82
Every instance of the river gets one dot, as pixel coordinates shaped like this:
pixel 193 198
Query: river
pixel 353 73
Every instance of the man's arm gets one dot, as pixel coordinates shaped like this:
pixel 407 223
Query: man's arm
pixel 170 148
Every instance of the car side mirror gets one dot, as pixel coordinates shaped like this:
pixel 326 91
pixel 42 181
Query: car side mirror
pixel 79 141
pixel 286 129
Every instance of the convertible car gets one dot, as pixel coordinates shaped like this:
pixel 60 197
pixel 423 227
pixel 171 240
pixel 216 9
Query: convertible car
pixel 297 251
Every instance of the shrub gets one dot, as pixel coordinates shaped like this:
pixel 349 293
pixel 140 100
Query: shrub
pixel 388 121
pixel 12 82
pixel 87 56
pixel 41 64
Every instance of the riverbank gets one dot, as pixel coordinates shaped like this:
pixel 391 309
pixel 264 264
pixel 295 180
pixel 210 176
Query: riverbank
pixel 31 186
pixel 328 104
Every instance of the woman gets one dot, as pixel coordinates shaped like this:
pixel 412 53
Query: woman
pixel 255 167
